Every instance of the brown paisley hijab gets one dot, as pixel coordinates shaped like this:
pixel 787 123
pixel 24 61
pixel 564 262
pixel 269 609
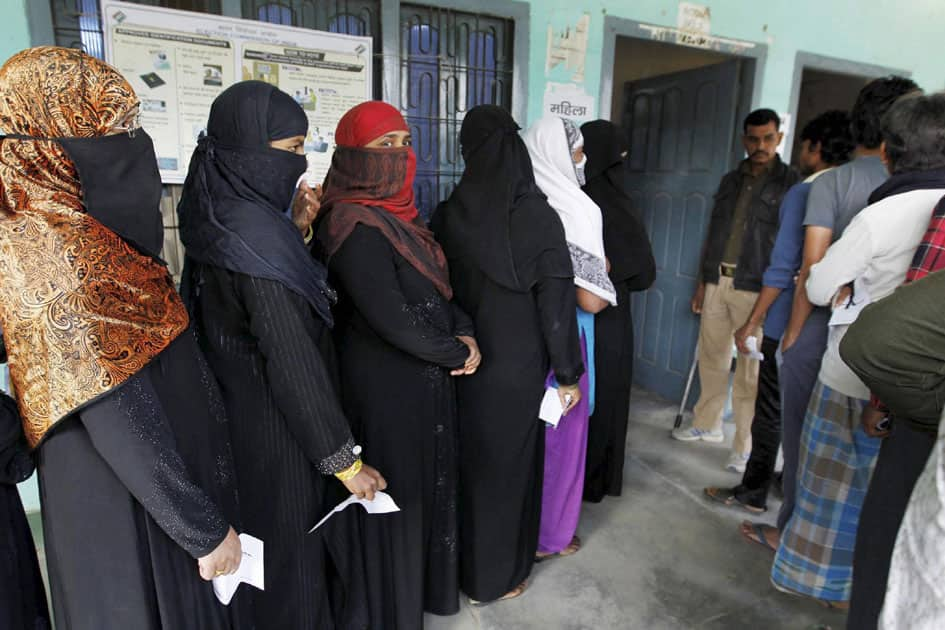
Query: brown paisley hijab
pixel 81 309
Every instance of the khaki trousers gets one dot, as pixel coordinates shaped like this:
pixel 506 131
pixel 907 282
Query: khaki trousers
pixel 724 311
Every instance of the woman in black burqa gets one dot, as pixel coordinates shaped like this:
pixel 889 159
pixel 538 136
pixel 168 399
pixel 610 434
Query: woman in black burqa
pixel 262 310
pixel 511 270
pixel 399 340
pixel 632 268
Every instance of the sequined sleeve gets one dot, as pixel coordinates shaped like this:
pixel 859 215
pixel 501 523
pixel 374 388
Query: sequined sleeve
pixel 130 432
pixel 557 307
pixel 300 381
pixel 462 323
pixel 366 269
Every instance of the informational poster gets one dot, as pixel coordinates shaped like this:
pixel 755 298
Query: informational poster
pixel 178 62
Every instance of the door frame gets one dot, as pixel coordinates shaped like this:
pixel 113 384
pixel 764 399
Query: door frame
pixel 517 11
pixel 806 60
pixel 753 53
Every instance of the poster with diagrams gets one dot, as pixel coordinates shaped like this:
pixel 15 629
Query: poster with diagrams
pixel 178 62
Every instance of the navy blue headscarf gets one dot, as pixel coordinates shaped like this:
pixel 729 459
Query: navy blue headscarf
pixel 233 208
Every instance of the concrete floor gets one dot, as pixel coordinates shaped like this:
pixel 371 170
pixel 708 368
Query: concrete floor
pixel 660 557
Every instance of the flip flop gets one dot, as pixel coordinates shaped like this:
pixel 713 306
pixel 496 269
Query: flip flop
pixel 758 529
pixel 518 591
pixel 574 546
pixel 726 496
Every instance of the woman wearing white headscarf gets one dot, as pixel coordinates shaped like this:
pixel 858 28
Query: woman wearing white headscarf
pixel 556 148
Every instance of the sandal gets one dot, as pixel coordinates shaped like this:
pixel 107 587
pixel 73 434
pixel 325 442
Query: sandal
pixel 728 498
pixel 570 550
pixel 515 592
pixel 755 532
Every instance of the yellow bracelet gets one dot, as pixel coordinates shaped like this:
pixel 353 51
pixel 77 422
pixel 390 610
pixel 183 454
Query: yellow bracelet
pixel 350 472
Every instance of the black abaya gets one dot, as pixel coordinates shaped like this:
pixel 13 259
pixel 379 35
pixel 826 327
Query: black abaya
pixel 511 270
pixel 273 356
pixel 397 343
pixel 501 438
pixel 130 487
pixel 632 268
pixel 22 594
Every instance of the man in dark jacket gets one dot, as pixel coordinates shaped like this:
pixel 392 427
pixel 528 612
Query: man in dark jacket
pixel 738 246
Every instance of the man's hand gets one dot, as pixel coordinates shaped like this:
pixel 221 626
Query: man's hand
pixel 698 298
pixel 305 206
pixel 223 560
pixel 871 418
pixel 842 296
pixel 742 335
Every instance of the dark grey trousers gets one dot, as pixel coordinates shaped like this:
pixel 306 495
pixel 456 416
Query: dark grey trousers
pixel 798 375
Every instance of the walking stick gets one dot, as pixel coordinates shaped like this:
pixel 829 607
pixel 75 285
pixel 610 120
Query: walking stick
pixel 685 396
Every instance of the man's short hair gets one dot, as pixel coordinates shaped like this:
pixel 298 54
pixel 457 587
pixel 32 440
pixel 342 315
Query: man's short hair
pixel 760 118
pixel 873 101
pixel 914 132
pixel 831 132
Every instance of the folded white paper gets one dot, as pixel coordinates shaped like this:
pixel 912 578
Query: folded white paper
pixel 382 504
pixel 551 409
pixel 753 352
pixel 251 571
pixel 846 313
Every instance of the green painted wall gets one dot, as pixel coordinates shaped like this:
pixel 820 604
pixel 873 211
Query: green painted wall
pixel 14 29
pixel 895 33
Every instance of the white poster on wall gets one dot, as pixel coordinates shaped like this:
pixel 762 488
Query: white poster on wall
pixel 568 100
pixel 178 62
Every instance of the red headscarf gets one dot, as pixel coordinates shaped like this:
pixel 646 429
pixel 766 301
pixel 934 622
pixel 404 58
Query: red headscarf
pixel 374 187
pixel 362 124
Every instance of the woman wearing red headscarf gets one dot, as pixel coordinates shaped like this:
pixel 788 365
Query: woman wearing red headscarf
pixel 399 342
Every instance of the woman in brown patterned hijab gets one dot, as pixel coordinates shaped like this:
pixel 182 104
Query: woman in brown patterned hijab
pixel 117 403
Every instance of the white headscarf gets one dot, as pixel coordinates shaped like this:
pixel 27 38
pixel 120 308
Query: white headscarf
pixel 551 151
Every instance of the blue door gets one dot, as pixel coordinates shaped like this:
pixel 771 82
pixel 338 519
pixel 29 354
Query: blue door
pixel 681 129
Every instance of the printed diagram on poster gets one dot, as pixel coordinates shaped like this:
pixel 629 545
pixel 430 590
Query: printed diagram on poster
pixel 569 101
pixel 568 48
pixel 178 62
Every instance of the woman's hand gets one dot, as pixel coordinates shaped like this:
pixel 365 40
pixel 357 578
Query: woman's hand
pixel 570 396
pixel 223 560
pixel 472 361
pixel 365 483
pixel 305 206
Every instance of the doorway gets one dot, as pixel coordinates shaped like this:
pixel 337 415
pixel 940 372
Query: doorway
pixel 824 83
pixel 680 107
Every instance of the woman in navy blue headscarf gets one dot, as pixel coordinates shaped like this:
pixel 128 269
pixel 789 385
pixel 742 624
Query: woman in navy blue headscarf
pixel 262 310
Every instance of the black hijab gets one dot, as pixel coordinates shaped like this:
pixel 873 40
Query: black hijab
pixel 497 216
pixel 625 239
pixel 233 208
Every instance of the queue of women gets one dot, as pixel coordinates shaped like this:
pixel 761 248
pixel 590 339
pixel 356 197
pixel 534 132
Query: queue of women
pixel 323 343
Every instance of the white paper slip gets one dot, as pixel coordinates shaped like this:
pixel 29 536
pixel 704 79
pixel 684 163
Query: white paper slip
pixel 753 352
pixel 251 571
pixel 846 313
pixel 383 503
pixel 551 409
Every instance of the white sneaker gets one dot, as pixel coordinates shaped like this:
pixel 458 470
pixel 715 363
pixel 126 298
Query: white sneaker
pixel 737 462
pixel 691 434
